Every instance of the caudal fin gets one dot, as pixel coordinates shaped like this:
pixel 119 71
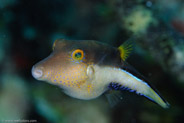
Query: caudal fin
pixel 127 81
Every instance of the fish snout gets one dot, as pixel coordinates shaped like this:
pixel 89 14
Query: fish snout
pixel 37 73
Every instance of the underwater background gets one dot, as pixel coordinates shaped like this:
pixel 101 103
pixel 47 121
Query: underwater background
pixel 28 29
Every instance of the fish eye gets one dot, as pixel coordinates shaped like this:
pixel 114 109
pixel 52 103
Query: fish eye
pixel 78 54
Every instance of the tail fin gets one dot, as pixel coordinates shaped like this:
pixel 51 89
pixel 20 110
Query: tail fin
pixel 127 81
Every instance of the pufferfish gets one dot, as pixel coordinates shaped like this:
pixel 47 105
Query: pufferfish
pixel 86 69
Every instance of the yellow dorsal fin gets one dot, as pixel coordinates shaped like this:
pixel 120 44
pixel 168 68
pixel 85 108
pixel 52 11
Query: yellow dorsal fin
pixel 125 49
pixel 54 45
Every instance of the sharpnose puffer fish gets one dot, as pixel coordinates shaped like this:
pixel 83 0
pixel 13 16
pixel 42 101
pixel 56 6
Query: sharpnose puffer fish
pixel 85 69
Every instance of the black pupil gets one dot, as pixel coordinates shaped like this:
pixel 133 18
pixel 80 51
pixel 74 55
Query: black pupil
pixel 78 55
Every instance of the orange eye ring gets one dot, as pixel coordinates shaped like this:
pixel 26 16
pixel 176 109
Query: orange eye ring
pixel 78 54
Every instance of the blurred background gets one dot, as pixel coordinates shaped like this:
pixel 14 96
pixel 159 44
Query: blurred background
pixel 28 29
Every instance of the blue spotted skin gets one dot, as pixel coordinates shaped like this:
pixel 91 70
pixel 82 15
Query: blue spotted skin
pixel 117 86
pixel 99 70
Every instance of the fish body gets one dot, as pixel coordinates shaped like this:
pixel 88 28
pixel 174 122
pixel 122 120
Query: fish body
pixel 86 69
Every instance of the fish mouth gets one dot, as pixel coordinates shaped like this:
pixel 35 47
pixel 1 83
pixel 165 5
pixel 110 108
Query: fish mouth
pixel 37 73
